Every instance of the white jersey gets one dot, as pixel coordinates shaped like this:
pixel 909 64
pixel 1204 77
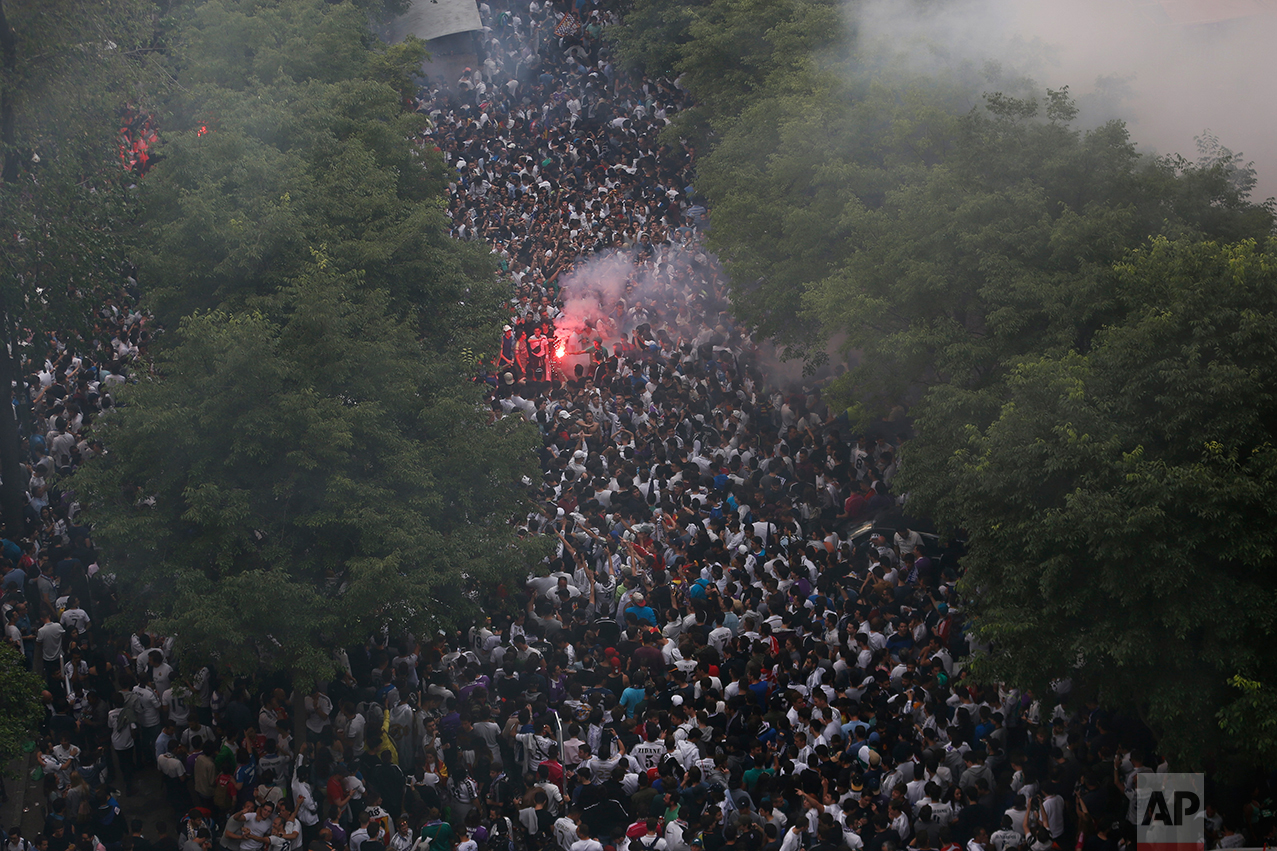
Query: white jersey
pixel 648 754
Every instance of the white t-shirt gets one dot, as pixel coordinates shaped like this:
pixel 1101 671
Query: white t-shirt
pixel 174 700
pixel 148 706
pixel 1053 805
pixel 1003 838
pixel 170 766
pixel 121 730
pixel 162 676
pixel 355 732
pixel 307 811
pixel 648 754
pixel 77 618
pixel 317 717
pixel 49 637
pixel 718 638
pixel 293 826
pixel 256 828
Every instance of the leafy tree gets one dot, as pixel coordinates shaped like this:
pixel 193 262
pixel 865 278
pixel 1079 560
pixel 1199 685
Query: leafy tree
pixel 795 178
pixel 1252 717
pixel 302 475
pixel 729 53
pixel 942 245
pixel 312 462
pixel 1120 503
pixel 936 217
pixel 289 133
pixel 20 707
pixel 738 47
pixel 955 228
pixel 66 75
pixel 652 32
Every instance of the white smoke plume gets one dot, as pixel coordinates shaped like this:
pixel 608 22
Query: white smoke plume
pixel 610 295
pixel 1172 69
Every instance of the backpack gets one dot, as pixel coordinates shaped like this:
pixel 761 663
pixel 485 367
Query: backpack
pixel 222 797
pixel 129 711
pixel 500 837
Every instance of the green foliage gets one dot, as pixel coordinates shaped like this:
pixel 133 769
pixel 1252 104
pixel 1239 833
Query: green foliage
pixel 737 47
pixel 941 245
pixel 302 475
pixel 66 77
pixel 1252 717
pixel 652 33
pixel 1097 420
pixel 729 52
pixel 312 461
pixel 64 197
pixel 305 143
pixel 790 207
pixel 942 223
pixel 1120 503
pixel 20 707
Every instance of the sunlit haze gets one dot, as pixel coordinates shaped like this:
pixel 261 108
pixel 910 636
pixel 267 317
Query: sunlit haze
pixel 1171 68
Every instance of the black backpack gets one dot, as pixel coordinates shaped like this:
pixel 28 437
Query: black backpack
pixel 501 836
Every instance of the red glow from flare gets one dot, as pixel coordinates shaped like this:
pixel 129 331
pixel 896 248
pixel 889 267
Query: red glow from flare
pixel 560 349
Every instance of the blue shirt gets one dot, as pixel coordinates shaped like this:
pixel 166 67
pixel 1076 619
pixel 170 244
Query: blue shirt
pixel 643 613
pixel 631 698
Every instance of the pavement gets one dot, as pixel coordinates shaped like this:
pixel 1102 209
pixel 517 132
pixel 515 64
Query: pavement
pixel 26 805
pixel 16 783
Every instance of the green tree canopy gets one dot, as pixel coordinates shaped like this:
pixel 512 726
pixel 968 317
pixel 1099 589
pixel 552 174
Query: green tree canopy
pixel 1091 407
pixel 1122 503
pixel 289 133
pixel 67 76
pixel 302 475
pixel 937 217
pixel 21 709
pixel 311 461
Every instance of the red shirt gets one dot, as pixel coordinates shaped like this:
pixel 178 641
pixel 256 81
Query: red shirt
pixel 336 791
pixel 556 772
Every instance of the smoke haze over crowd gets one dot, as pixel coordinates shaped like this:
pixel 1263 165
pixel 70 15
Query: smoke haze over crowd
pixel 610 294
pixel 1172 69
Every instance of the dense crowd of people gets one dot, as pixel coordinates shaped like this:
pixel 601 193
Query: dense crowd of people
pixel 739 642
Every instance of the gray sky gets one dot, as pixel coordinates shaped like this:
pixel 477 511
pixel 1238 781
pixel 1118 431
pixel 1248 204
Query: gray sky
pixel 1182 66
